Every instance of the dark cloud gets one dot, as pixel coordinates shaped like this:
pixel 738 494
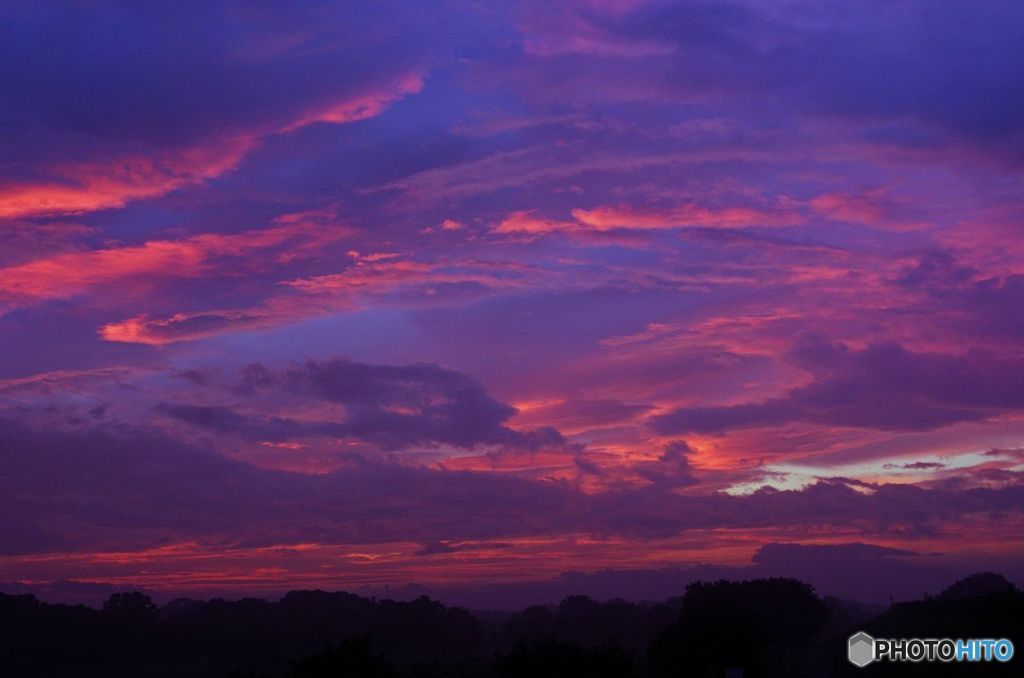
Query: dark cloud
pixel 127 487
pixel 199 377
pixel 119 486
pixel 675 451
pixel 443 547
pixel 226 421
pixel 393 407
pixel 130 103
pixel 62 591
pixel 918 465
pixel 854 571
pixel 937 271
pixel 922 74
pixel 168 76
pixel 672 469
pixel 399 406
pixel 865 572
pixel 588 467
pixel 969 300
pixel 787 554
pixel 882 387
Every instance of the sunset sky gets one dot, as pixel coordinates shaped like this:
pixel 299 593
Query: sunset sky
pixel 356 294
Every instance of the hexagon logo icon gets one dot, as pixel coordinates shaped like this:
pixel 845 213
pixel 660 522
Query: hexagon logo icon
pixel 861 650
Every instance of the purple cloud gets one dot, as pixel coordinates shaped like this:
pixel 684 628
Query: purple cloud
pixel 883 387
pixel 394 407
pixel 97 485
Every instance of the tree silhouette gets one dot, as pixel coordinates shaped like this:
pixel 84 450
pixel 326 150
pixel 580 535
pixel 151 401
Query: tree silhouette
pixel 758 626
pixel 557 659
pixel 131 606
pixel 766 627
pixel 352 658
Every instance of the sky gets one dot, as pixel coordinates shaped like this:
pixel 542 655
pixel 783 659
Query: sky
pixel 466 294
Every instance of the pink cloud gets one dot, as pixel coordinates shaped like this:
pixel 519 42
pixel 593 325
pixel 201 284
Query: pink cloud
pixel 143 329
pixel 578 29
pixel 873 208
pixel 525 222
pixel 372 276
pixel 362 107
pixel 114 182
pixel 607 218
pixel 98 185
pixel 69 274
pixel 604 219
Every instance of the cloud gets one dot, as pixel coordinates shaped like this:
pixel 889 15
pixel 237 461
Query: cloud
pixel 676 450
pixel 116 486
pixel 102 485
pixel 872 207
pixel 919 75
pixel 919 465
pixel 227 421
pixel 135 113
pixel 401 406
pixel 882 387
pixel 604 219
pixel 113 182
pixel 360 108
pixel 393 407
pixel 867 573
pixel 186 326
pixel 580 413
pixel 672 468
pixel 964 298
pixel 864 573
pixel 607 218
pixel 444 547
pixel 69 274
pixel 137 488
pixel 526 222
pixel 858 571
pixel 369 278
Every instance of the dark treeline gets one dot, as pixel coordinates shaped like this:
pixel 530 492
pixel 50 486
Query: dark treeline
pixel 764 628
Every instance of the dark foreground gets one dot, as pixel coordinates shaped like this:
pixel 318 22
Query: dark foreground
pixel 766 627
